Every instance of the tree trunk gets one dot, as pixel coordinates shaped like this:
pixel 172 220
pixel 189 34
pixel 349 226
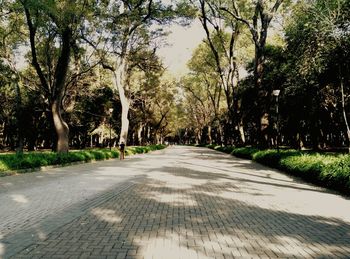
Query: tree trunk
pixel 210 139
pixel 263 119
pixel 61 128
pixel 19 149
pixel 198 137
pixel 139 135
pixel 119 75
pixel 344 112
pixel 300 142
pixel 241 132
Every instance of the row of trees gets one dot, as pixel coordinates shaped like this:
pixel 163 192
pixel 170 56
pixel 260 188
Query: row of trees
pixel 93 73
pixel 299 48
pixel 93 64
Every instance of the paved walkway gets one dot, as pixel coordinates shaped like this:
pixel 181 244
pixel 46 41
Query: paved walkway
pixel 181 202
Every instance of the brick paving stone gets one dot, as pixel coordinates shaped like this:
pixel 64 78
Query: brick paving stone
pixel 191 202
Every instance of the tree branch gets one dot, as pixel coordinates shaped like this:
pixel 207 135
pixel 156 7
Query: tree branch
pixel 35 63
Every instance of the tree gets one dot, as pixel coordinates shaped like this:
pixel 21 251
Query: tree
pixel 222 34
pixel 203 85
pixel 318 33
pixel 257 17
pixel 53 27
pixel 127 28
pixel 11 29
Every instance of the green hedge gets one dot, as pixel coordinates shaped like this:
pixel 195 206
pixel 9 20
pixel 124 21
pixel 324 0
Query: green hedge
pixel 244 152
pixel 30 160
pixel 143 149
pixel 328 170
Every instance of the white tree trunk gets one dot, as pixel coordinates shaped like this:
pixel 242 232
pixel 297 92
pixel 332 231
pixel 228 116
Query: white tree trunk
pixel 241 132
pixel 344 113
pixel 119 79
pixel 139 135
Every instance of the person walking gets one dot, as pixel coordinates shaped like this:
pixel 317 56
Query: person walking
pixel 122 150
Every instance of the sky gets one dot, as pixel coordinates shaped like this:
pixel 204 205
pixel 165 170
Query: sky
pixel 181 43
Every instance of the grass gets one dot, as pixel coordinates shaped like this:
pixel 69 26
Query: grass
pixel 9 163
pixel 327 170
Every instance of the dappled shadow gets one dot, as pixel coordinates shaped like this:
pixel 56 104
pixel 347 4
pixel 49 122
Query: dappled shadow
pixel 235 176
pixel 186 208
pixel 193 222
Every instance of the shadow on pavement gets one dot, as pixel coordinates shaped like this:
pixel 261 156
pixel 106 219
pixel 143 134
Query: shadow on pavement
pixel 184 212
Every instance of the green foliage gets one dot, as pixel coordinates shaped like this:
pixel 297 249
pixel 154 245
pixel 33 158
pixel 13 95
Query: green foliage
pixel 32 160
pixel 308 166
pixel 329 170
pixel 143 149
pixel 272 157
pixel 338 173
pixel 224 149
pixel 244 152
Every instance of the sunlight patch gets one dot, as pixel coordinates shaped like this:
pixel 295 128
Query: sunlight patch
pixel 177 182
pixel 41 235
pixel 291 247
pixel 175 199
pixel 19 198
pixel 168 247
pixel 107 215
pixel 2 250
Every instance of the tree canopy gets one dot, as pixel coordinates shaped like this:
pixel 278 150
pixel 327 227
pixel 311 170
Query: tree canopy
pixel 91 74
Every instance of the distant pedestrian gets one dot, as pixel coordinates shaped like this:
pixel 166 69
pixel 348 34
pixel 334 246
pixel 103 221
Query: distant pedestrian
pixel 122 150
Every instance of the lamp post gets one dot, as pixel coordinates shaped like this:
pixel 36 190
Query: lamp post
pixel 276 93
pixel 110 128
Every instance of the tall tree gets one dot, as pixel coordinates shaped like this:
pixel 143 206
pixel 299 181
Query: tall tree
pixel 11 29
pixel 222 34
pixel 318 34
pixel 204 85
pixel 257 17
pixel 55 25
pixel 129 27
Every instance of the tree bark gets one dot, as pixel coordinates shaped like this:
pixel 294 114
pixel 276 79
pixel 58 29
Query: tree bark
pixel 19 109
pixel 55 94
pixel 210 138
pixel 241 132
pixel 139 135
pixel 119 76
pixel 344 112
pixel 61 128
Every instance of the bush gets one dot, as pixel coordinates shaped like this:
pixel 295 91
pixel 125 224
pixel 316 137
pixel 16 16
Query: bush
pixel 337 173
pixel 212 146
pixel 244 152
pixel 142 149
pixel 306 165
pixel 32 160
pixel 324 169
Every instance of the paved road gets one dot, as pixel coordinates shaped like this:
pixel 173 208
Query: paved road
pixel 182 202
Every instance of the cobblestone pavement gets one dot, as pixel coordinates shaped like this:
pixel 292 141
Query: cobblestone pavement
pixel 189 202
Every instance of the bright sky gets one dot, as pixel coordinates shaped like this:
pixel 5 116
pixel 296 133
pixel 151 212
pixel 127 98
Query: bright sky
pixel 181 43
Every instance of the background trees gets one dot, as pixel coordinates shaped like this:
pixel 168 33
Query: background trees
pixel 306 58
pixel 85 59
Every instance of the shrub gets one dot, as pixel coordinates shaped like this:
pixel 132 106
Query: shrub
pixel 37 159
pixel 307 166
pixel 324 169
pixel 337 173
pixel 244 152
pixel 212 146
pixel 267 157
